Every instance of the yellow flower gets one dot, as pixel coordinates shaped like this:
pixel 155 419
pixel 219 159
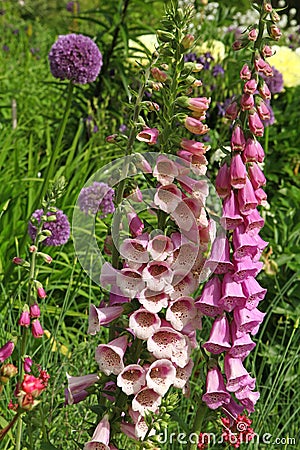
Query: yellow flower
pixel 139 47
pixel 216 48
pixel 288 63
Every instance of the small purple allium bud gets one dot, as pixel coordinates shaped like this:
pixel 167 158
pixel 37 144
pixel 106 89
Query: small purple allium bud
pixel 75 57
pixel 97 198
pixel 59 228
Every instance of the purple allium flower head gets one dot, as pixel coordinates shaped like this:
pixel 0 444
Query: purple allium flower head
pixel 73 7
pixel 75 57
pixel 275 83
pixel 60 228
pixel 97 197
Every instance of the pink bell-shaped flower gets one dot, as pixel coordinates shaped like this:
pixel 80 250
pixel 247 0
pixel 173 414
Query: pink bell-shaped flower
pixel 153 301
pixel 101 436
pixel 231 216
pixel 208 302
pixel 181 312
pixel 244 245
pixel 183 374
pixel 241 346
pixel 232 293
pixel 247 321
pixel 236 374
pixel 245 268
pixel 223 185
pixel 78 385
pixel 102 316
pixel 110 356
pixel 160 247
pixel 216 394
pixel 144 323
pixel 146 400
pixel 256 175
pixel 238 172
pixel 246 198
pixel 219 259
pixel 170 344
pixel 253 222
pixel 165 170
pixel 219 338
pixel 237 139
pixel 167 197
pixel 132 379
pixel 160 376
pixel 247 397
pixel 254 292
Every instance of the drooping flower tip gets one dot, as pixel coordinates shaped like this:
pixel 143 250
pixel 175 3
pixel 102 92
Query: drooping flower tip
pixel 59 228
pixel 97 198
pixel 6 350
pixel 76 58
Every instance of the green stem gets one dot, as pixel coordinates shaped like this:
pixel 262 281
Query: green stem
pixel 197 425
pixel 267 134
pixel 57 144
pixel 128 151
pixel 19 433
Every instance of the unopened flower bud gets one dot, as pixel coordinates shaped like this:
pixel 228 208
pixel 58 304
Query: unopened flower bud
pixel 24 320
pixel 252 35
pixel 35 311
pixel 275 16
pixel 6 350
pixel 156 86
pixel 275 32
pixel 32 248
pixel 165 36
pixel 187 41
pixel 47 258
pixel 8 371
pixel 111 138
pixel 232 111
pixel 27 364
pixel 108 245
pixel 37 329
pixel 41 292
pixel 197 83
pixel 237 45
pixel 159 75
pixel 18 261
pixel 245 73
pixel 152 106
pixel 268 7
pixel 267 51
